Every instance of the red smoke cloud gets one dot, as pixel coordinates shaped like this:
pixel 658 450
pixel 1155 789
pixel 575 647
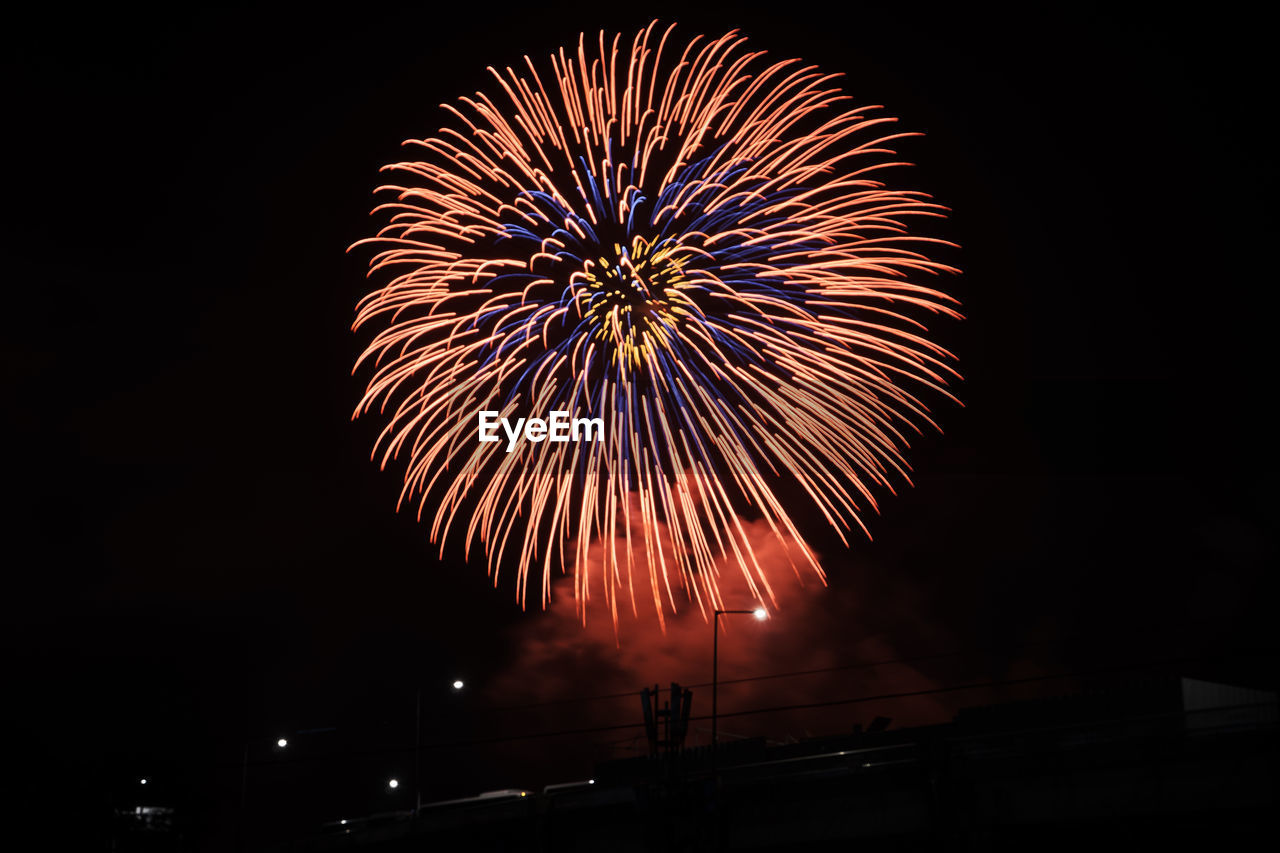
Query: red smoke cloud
pixel 558 657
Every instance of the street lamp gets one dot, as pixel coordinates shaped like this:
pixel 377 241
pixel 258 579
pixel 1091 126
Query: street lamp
pixel 457 684
pixel 759 613
pixel 282 742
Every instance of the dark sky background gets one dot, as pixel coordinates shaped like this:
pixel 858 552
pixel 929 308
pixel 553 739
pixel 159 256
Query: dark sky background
pixel 203 556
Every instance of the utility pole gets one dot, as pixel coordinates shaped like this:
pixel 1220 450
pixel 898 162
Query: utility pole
pixel 417 754
pixel 673 715
pixel 759 613
pixel 242 829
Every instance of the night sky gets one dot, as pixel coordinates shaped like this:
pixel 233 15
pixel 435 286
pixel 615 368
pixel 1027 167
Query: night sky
pixel 203 556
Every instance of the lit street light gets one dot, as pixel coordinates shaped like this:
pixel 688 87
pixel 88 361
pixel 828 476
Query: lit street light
pixel 759 613
pixel 394 783
pixel 457 684
pixel 282 743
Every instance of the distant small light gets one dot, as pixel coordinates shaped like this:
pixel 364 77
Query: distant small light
pixel 142 781
pixel 457 684
pixel 591 781
pixel 282 743
pixel 394 783
pixel 761 613
pixel 342 822
pixel 524 793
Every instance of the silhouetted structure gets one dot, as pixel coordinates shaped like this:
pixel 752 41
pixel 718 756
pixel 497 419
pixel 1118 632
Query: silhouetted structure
pixel 1169 764
pixel 665 727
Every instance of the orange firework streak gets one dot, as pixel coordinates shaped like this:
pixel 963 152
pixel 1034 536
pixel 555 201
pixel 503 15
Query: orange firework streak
pixel 695 249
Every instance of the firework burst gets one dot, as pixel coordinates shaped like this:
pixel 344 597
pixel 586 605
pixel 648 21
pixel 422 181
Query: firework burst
pixel 694 246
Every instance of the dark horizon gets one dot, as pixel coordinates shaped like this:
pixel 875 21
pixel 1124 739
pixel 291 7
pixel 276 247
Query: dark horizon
pixel 206 556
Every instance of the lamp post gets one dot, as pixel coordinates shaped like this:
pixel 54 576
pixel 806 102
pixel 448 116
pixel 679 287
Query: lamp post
pixel 457 685
pixel 759 613
pixel 417 754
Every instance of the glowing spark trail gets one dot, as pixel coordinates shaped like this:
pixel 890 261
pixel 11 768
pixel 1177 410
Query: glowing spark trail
pixel 687 242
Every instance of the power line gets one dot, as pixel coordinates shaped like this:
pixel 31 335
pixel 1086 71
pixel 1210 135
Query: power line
pixel 833 702
pixel 1058 643
pixel 793 674
pixel 763 710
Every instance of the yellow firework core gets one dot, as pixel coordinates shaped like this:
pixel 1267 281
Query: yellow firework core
pixel 637 298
